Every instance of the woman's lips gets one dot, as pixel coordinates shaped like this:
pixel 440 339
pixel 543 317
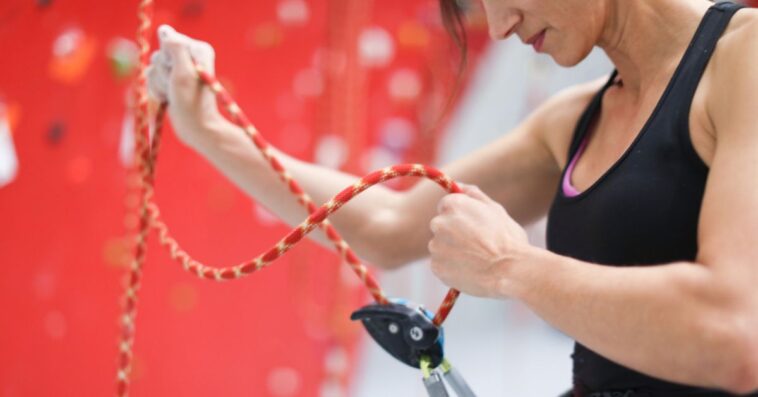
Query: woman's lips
pixel 537 40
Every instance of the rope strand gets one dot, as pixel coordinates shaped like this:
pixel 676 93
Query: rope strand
pixel 149 212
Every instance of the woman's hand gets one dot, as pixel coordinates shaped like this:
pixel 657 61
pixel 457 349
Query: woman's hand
pixel 171 77
pixel 475 242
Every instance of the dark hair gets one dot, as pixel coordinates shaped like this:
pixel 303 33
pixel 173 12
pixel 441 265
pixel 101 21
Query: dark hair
pixel 452 19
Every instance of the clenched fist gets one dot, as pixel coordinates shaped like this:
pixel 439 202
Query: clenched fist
pixel 171 76
pixel 475 242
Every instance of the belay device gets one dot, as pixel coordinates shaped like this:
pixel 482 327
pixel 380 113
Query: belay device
pixel 406 331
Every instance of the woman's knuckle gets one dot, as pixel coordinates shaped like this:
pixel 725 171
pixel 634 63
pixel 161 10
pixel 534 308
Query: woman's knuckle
pixel 435 224
pixel 202 49
pixel 447 203
pixel 208 49
pixel 433 246
pixel 456 199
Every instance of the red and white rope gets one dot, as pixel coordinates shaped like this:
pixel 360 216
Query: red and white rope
pixel 149 213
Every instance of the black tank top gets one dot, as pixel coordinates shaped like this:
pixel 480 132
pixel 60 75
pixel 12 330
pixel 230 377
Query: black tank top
pixel 644 210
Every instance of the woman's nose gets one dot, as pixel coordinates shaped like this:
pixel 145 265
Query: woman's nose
pixel 503 25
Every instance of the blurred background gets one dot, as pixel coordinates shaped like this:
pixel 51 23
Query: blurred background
pixel 349 84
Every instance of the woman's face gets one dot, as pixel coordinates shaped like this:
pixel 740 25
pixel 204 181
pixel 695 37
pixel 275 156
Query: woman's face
pixel 565 29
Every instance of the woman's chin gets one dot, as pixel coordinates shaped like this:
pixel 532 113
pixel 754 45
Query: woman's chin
pixel 566 59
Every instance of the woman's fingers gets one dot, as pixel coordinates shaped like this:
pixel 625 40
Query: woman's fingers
pixel 176 48
pixel 181 52
pixel 204 54
pixel 191 105
pixel 157 82
pixel 159 58
pixel 154 60
pixel 199 51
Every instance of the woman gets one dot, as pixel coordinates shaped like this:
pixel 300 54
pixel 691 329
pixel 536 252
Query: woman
pixel 651 266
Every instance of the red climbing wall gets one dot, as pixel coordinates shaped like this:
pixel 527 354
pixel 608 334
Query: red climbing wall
pixel 348 84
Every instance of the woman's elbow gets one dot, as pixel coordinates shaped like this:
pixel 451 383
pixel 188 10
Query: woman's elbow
pixel 390 254
pixel 386 259
pixel 393 244
pixel 390 263
pixel 742 374
pixel 745 375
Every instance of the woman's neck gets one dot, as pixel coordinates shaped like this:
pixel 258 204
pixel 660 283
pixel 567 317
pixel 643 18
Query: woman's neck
pixel 645 39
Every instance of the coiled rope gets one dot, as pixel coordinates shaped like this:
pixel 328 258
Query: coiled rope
pixel 149 214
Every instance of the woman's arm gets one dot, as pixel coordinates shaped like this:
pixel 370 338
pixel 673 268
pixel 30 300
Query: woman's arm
pixel 694 323
pixel 683 322
pixel 386 227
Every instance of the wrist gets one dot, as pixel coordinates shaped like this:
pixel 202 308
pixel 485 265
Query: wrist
pixel 210 134
pixel 515 272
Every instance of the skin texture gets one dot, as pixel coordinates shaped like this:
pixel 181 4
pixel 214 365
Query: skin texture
pixel 566 41
pixel 701 317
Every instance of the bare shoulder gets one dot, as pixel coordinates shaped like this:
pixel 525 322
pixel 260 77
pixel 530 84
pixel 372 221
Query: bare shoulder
pixel 738 44
pixel 732 75
pixel 743 25
pixel 555 120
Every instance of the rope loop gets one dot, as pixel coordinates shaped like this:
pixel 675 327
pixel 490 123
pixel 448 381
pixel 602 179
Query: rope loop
pixel 149 212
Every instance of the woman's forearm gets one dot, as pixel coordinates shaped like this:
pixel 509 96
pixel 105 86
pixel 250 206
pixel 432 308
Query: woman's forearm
pixel 366 222
pixel 676 322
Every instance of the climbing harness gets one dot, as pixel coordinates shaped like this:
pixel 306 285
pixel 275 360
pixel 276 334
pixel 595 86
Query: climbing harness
pixel 418 336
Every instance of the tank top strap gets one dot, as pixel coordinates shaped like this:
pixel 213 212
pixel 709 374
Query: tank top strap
pixel 698 54
pixel 685 80
pixel 585 121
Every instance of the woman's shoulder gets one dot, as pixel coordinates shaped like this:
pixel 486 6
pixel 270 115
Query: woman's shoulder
pixel 742 31
pixel 738 43
pixel 557 118
pixel 733 67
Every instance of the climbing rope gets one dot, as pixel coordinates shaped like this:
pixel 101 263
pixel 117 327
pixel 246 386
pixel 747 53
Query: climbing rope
pixel 149 213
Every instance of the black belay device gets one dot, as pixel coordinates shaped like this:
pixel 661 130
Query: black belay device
pixel 406 331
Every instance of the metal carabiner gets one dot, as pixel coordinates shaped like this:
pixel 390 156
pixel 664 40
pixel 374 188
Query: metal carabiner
pixel 455 379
